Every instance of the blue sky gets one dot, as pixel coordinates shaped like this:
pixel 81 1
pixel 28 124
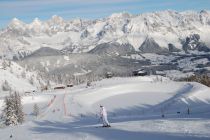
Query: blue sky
pixel 27 10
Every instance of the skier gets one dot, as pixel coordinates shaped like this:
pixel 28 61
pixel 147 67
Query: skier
pixel 103 114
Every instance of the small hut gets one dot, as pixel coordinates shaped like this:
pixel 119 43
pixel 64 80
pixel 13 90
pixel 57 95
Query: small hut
pixel 109 75
pixel 140 72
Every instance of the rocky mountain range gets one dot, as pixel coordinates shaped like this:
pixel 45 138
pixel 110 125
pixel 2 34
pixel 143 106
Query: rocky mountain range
pixel 168 43
pixel 146 33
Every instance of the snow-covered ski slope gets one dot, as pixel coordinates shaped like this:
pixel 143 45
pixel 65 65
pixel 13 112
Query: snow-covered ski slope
pixel 134 106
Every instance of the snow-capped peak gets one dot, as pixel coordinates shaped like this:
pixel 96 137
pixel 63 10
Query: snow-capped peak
pixel 56 20
pixel 17 27
pixel 36 21
pixel 56 17
pixel 16 22
pixel 36 26
pixel 204 12
pixel 120 15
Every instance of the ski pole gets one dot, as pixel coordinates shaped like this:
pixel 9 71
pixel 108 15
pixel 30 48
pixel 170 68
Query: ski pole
pixel 99 120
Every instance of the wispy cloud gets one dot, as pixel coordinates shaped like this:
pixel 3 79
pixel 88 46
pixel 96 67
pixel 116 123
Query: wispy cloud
pixel 22 3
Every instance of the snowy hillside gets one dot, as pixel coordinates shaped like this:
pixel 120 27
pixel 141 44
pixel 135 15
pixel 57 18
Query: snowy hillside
pixel 20 39
pixel 13 77
pixel 134 105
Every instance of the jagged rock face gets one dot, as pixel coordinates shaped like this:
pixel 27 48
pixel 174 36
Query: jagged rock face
pixel 202 47
pixel 150 46
pixel 84 34
pixel 112 49
pixel 172 48
pixel 193 43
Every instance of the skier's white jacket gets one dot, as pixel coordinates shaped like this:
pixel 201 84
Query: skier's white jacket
pixel 103 112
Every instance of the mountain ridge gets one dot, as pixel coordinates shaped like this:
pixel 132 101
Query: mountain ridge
pixel 164 27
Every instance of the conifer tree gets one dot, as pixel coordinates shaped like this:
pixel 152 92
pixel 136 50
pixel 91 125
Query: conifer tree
pixel 5 86
pixel 9 112
pixel 13 111
pixel 18 108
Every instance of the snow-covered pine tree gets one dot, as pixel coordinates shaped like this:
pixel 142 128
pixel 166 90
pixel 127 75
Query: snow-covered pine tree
pixel 4 64
pixel 9 63
pixel 23 74
pixel 18 107
pixel 9 112
pixel 88 83
pixel 5 86
pixel 48 84
pixel 36 110
pixel 31 80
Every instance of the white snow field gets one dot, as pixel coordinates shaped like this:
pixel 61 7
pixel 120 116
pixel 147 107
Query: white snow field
pixel 135 106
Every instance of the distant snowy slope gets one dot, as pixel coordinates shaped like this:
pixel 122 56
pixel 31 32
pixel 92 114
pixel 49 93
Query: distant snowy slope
pixel 16 78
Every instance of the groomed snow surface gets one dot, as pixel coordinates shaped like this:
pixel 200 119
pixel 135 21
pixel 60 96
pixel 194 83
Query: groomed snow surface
pixel 134 106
